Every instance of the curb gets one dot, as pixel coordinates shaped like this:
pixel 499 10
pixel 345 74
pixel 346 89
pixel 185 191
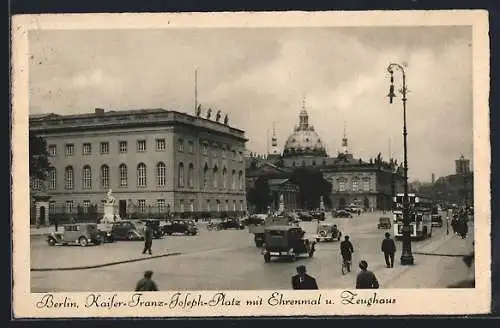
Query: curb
pixel 104 264
pixel 440 254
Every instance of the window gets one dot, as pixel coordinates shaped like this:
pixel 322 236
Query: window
pixel 366 184
pixel 52 207
pixel 204 149
pixel 355 184
pixel 141 146
pixel 161 171
pixel 191 147
pixel 191 175
pixel 234 206
pixel 86 205
pixel 141 175
pixel 87 177
pixel 87 148
pixel 69 149
pixel 181 175
pixel 224 178
pixel 160 203
pixel 104 176
pixel 141 204
pixel 240 156
pixel 342 185
pixel 218 205
pixel 69 178
pixel 180 145
pixel 233 180
pixel 214 177
pixel 104 147
pixel 181 205
pixel 208 205
pixel 205 176
pixel 36 183
pixel 52 179
pixel 160 144
pixel 227 205
pixel 241 206
pixel 224 153
pixel 69 207
pixel 122 169
pixel 233 154
pixel 52 150
pixel 240 180
pixel 122 146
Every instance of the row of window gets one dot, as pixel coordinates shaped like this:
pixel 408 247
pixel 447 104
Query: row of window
pixel 342 185
pixel 141 146
pixel 161 206
pixel 209 175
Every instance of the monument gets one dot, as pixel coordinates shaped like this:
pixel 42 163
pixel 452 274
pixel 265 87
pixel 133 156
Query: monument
pixel 109 209
pixel 281 204
pixel 321 203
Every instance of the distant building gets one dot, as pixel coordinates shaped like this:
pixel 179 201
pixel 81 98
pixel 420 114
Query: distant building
pixel 154 160
pixel 462 166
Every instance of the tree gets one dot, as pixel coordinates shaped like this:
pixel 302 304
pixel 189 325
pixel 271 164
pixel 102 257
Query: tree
pixel 39 157
pixel 260 195
pixel 312 186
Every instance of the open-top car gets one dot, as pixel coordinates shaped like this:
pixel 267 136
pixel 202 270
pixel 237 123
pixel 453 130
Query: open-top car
pixel 384 223
pixel 185 227
pixel 127 230
pixel 287 241
pixel 327 232
pixel 81 234
pixel 342 214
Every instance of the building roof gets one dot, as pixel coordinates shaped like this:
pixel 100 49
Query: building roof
pixel 304 140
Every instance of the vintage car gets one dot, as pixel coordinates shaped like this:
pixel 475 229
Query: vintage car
pixel 81 234
pixel 318 215
pixel 305 216
pixel 341 214
pixel 158 231
pixel 185 227
pixel 436 219
pixel 327 232
pixel 127 230
pixel 384 223
pixel 105 231
pixel 287 241
pixel 231 223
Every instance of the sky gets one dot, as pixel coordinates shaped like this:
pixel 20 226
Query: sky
pixel 260 76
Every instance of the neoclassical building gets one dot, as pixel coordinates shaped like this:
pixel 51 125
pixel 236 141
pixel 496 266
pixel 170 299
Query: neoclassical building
pixel 370 184
pixel 154 160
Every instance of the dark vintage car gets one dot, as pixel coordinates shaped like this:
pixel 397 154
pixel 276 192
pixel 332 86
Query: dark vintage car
pixel 105 231
pixel 231 223
pixel 305 216
pixel 286 241
pixel 81 234
pixel 158 231
pixel 127 230
pixel 384 223
pixel 318 215
pixel 342 214
pixel 184 227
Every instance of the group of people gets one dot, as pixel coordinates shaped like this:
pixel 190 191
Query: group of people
pixel 365 279
pixel 459 223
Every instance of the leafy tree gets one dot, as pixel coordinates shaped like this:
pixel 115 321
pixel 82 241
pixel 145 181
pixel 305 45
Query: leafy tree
pixel 312 186
pixel 39 157
pixel 260 195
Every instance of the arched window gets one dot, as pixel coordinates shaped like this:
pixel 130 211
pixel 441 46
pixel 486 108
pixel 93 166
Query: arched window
pixel 240 180
pixel 122 169
pixel 161 172
pixel 355 184
pixel 141 175
pixel 69 177
pixel 224 178
pixel 181 174
pixel 105 177
pixel 52 179
pixel 215 177
pixel 205 175
pixel 341 184
pixel 233 180
pixel 190 175
pixel 366 184
pixel 87 177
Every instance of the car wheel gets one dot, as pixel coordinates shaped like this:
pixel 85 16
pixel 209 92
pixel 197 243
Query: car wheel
pixel 169 233
pixel 293 257
pixel 51 242
pixel 311 253
pixel 130 236
pixel 267 257
pixel 317 239
pixel 83 241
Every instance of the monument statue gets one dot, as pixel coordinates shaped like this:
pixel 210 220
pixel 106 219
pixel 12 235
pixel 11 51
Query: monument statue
pixel 109 209
pixel 217 116
pixel 209 113
pixel 109 197
pixel 198 111
pixel 226 119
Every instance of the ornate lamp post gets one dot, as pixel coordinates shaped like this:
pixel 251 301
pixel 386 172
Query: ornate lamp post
pixel 406 256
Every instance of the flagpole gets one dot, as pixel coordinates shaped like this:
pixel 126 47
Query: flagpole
pixel 195 89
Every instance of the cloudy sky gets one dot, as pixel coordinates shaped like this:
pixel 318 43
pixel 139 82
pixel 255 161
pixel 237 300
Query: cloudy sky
pixel 260 76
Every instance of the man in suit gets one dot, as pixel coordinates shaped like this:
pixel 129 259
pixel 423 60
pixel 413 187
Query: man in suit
pixel 146 284
pixel 148 239
pixel 366 279
pixel 302 280
pixel 388 248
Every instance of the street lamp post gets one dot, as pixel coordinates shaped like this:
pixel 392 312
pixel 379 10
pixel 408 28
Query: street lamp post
pixel 406 255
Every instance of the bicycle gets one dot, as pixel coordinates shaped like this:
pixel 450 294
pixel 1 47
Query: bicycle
pixel 346 266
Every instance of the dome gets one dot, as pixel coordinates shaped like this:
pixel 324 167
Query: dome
pixel 304 140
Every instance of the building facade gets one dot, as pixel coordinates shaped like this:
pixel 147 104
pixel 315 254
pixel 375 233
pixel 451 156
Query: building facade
pixel 153 160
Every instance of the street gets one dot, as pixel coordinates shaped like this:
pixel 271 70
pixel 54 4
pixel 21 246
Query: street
pixel 229 260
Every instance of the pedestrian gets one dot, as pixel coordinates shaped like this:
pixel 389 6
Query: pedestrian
pixel 389 248
pixel 146 284
pixel 148 239
pixel 346 250
pixel 302 280
pixel 366 279
pixel 56 223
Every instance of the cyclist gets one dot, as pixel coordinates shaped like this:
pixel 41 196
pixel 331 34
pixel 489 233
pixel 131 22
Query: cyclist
pixel 346 250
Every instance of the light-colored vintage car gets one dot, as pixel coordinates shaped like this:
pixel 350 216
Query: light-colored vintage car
pixel 81 234
pixel 327 232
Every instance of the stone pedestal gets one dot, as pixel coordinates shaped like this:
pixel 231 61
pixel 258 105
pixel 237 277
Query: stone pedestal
pixel 321 204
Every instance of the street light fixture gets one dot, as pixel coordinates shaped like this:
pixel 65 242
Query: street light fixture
pixel 406 255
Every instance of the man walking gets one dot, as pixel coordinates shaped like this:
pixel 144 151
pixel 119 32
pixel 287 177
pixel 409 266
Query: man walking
pixel 146 284
pixel 366 279
pixel 302 280
pixel 148 239
pixel 389 248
